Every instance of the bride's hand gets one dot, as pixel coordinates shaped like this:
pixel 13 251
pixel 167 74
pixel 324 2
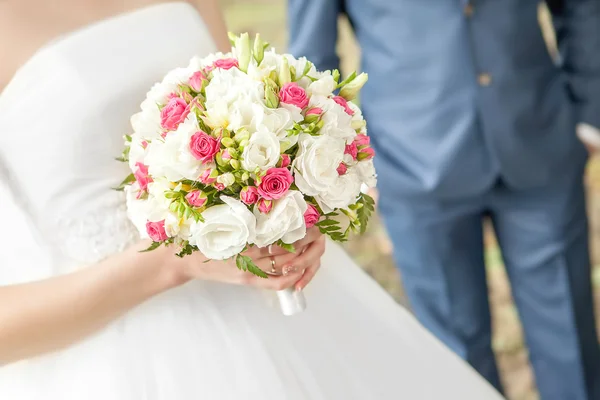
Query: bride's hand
pixel 290 269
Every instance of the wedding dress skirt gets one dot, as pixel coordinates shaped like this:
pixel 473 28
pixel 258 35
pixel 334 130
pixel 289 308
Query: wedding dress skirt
pixel 62 118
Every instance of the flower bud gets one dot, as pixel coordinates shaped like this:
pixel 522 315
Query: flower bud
pixel 228 142
pixel 235 164
pixel 242 47
pixel 284 72
pixel 259 49
pixel 351 89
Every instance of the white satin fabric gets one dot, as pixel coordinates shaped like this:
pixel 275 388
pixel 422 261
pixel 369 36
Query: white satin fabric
pixel 61 124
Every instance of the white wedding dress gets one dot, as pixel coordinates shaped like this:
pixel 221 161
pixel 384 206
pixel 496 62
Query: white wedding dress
pixel 62 118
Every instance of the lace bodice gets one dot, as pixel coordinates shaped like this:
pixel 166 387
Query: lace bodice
pixel 63 117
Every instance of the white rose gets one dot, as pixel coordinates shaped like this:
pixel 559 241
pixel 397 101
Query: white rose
pixel 315 166
pixel 230 97
pixel 324 86
pixel 226 179
pixel 367 173
pixel 278 121
pixel 285 221
pixel 336 122
pixel 262 151
pixel 342 193
pixel 226 230
pixel 171 157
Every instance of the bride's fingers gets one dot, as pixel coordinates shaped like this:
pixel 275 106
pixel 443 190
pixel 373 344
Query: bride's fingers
pixel 273 282
pixel 308 275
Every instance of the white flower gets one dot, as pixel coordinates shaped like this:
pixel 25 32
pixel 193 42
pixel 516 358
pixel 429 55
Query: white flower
pixel 324 86
pixel 146 123
pixel 285 221
pixel 367 173
pixel 342 193
pixel 226 230
pixel 262 152
pixel 336 122
pixel 137 152
pixel 230 97
pixel 172 157
pixel 226 179
pixel 277 120
pixel 315 166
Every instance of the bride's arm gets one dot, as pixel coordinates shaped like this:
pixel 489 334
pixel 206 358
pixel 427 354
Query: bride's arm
pixel 47 315
pixel 42 316
pixel 211 14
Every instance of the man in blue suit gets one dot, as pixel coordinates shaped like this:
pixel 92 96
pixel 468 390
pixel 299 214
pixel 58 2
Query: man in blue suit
pixel 472 117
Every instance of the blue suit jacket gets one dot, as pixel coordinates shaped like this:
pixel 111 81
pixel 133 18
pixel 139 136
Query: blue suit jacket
pixel 458 95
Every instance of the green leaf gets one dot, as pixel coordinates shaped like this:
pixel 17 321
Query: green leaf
pixel 253 269
pixel 240 262
pixel 127 181
pixel 286 246
pixel 328 222
pixel 153 246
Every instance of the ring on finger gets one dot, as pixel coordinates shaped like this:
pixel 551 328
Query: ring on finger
pixel 273 269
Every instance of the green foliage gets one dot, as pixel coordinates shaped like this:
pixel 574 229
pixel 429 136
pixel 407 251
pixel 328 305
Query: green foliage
pixel 288 247
pixel 153 246
pixel 245 263
pixel 126 182
pixel 365 212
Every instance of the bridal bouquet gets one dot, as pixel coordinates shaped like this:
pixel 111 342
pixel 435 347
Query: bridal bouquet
pixel 248 148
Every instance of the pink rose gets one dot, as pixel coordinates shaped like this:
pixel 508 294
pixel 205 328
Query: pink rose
pixel 208 177
pixel 264 206
pixel 285 160
pixel 226 63
pixel 196 198
pixel 144 144
pixel 362 140
pixel 219 186
pixel 342 169
pixel 311 216
pixel 342 102
pixel 249 195
pixel 352 150
pixel 275 183
pixel 204 147
pixel 293 94
pixel 141 176
pixel 314 111
pixel 156 231
pixel 196 81
pixel 173 113
pixel 366 154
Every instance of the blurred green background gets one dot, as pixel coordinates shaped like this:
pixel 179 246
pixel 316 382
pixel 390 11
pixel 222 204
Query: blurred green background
pixel 373 251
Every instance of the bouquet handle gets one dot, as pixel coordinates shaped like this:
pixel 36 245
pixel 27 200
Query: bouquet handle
pixel 292 301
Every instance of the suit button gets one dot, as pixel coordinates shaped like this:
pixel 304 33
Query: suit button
pixel 484 79
pixel 469 9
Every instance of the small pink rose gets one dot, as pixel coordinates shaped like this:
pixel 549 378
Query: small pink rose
pixel 208 177
pixel 173 113
pixel 311 216
pixel 285 161
pixel 196 80
pixel 226 63
pixel 342 102
pixel 362 140
pixel 141 176
pixel 352 150
pixel 366 154
pixel 219 186
pixel 275 183
pixel 342 169
pixel 196 198
pixel 293 94
pixel 314 111
pixel 204 147
pixel 249 195
pixel 225 155
pixel 264 206
pixel 144 144
pixel 156 231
